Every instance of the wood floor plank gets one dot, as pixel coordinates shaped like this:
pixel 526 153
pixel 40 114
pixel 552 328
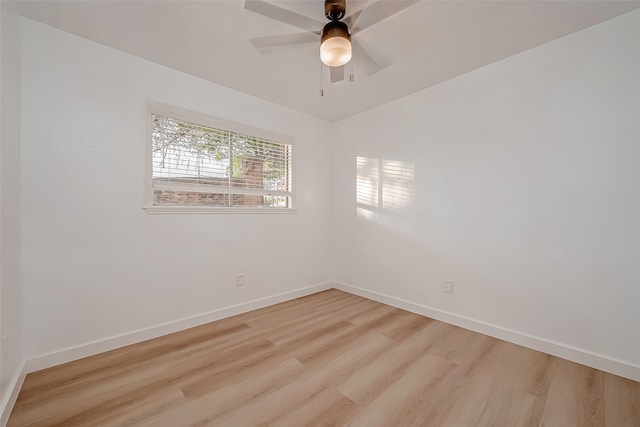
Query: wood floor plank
pixel 464 397
pixel 328 359
pixel 575 396
pixel 271 407
pixel 317 319
pixel 92 369
pixel 621 401
pixel 392 404
pixel 365 385
pixel 229 397
pixel 327 408
pixel 258 361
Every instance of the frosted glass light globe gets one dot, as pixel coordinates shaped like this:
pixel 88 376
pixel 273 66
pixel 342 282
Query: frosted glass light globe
pixel 335 51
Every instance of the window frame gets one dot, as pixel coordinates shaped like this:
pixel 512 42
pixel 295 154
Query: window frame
pixel 218 123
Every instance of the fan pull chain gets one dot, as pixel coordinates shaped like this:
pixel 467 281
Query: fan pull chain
pixel 321 81
pixel 351 78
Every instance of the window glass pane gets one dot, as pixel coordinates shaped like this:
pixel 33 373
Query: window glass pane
pixel 189 198
pixel 261 163
pixel 188 153
pixel 249 200
pixel 190 160
pixel 277 201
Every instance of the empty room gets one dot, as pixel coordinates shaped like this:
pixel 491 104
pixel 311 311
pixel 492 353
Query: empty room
pixel 320 213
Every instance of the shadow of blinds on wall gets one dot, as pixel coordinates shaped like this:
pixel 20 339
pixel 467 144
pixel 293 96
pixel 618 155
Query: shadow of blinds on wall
pixel 384 187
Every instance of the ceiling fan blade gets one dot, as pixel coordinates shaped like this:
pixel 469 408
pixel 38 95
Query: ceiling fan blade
pixel 285 39
pixel 281 14
pixel 363 60
pixel 351 19
pixel 336 74
pixel 379 11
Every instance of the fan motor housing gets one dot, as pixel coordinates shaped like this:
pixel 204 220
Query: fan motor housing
pixel 335 29
pixel 335 9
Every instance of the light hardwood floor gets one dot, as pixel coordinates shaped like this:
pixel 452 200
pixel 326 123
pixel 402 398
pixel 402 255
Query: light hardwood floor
pixel 329 359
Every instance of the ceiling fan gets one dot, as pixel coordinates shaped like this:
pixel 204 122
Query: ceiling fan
pixel 336 44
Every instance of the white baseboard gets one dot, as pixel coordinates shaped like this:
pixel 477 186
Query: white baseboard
pixel 99 346
pixel 564 351
pixel 12 395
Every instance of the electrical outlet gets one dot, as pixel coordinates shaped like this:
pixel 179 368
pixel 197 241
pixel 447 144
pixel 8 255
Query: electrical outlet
pixel 448 286
pixel 240 280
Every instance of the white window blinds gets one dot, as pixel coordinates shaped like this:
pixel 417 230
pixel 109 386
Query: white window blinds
pixel 198 165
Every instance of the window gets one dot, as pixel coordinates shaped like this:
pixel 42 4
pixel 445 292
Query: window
pixel 204 164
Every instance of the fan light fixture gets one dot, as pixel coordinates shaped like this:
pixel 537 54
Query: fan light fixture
pixel 335 46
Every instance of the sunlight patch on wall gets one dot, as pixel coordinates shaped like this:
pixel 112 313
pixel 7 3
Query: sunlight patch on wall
pixel 384 187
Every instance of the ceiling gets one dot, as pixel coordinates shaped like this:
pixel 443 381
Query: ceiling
pixel 427 43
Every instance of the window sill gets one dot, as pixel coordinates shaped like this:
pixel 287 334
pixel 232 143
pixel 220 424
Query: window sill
pixel 215 210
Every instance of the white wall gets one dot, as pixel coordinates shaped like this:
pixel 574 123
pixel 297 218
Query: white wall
pixel 10 290
pixel 526 194
pixel 95 264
